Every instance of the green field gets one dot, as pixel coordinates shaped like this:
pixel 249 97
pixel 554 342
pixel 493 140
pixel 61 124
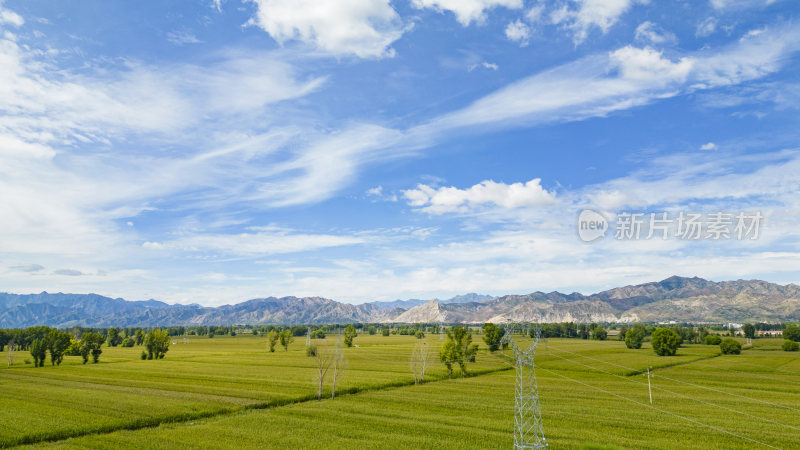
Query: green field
pixel 229 392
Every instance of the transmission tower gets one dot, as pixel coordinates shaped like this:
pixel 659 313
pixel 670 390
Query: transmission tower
pixel 528 429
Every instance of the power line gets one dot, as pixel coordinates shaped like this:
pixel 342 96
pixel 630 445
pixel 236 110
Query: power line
pixel 682 395
pixel 661 410
pixel 777 405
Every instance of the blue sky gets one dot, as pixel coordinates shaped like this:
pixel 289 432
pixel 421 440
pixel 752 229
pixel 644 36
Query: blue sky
pixel 215 151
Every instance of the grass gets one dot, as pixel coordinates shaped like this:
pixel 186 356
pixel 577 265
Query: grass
pixel 200 378
pixel 592 396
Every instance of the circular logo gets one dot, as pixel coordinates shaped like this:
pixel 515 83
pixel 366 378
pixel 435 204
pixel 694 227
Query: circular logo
pixel 591 225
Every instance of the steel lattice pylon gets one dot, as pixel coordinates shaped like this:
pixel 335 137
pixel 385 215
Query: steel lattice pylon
pixel 528 429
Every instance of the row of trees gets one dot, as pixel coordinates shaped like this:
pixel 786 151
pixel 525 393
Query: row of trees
pixel 60 343
pixel 43 341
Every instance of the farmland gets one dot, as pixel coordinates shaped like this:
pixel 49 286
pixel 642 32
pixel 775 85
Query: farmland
pixel 230 392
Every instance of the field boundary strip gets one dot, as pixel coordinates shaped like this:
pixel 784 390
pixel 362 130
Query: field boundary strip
pixel 144 423
pixel 699 386
pixel 688 419
pixel 736 411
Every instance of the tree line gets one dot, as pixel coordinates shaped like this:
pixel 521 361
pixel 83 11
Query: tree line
pixel 43 341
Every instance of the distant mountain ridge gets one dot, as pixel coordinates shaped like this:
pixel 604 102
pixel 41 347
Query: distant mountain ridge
pixel 676 298
pixel 465 298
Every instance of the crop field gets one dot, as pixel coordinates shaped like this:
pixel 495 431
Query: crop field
pixel 229 392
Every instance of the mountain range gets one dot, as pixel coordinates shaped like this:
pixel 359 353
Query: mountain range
pixel 676 298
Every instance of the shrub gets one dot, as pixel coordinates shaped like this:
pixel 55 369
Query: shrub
pixel 623 330
pixel 730 346
pixel 492 335
pixel 318 334
pixel 311 350
pixel 419 334
pixel 713 339
pixel 74 348
pixel 143 355
pixel 157 344
pixel 790 346
pixel 385 332
pixel 90 345
pixel 634 337
pixel 792 333
pixel 599 333
pixel 665 342
pixel 128 342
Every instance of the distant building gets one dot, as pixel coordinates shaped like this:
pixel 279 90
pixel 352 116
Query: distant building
pixel 773 333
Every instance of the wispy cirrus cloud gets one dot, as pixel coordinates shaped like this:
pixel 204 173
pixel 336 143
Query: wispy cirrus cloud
pixel 625 78
pixel 740 4
pixel 651 33
pixel 27 268
pixel 241 132
pixel 260 242
pixel 467 11
pixel 183 37
pixel 581 16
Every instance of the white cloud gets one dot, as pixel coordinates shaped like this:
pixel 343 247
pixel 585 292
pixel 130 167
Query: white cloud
pixel 691 178
pixel 535 13
pixel 378 194
pixel 486 193
pixel 590 87
pixel 585 15
pixel 365 28
pixel 518 32
pixel 625 78
pixel 740 4
pixel 650 66
pixel 27 268
pixel 467 11
pixel 485 65
pixel 68 272
pixel 649 32
pixel 182 37
pixel 10 17
pixel 708 146
pixel 217 4
pixel 266 241
pixel 135 97
pixel 754 56
pixel 67 198
pixel 706 27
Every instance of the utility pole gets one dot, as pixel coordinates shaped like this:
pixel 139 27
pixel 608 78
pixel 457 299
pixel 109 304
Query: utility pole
pixel 528 428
